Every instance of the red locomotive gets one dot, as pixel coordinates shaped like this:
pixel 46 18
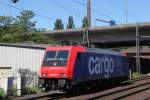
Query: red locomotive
pixel 64 67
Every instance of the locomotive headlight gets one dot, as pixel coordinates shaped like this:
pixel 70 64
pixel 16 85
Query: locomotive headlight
pixel 63 75
pixel 44 75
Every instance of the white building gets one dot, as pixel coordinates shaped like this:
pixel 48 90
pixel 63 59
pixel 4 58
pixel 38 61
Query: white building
pixel 22 60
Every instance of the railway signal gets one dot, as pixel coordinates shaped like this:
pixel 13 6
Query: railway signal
pixel 14 1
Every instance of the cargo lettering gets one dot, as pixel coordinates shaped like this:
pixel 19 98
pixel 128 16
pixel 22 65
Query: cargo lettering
pixel 99 65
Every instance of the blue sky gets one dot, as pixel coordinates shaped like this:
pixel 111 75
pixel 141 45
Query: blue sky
pixel 138 11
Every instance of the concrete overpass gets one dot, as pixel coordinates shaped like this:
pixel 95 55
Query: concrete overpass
pixel 106 36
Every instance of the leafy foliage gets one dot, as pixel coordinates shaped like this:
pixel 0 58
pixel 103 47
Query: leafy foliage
pixel 70 24
pixel 25 23
pixel 21 29
pixel 136 75
pixel 32 90
pixel 58 24
pixel 5 21
pixel 15 90
pixel 2 93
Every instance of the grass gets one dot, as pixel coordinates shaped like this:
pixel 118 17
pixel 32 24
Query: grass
pixel 136 75
pixel 2 93
pixel 32 90
pixel 15 91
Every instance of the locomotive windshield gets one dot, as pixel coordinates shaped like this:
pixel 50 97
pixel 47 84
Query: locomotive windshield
pixel 56 58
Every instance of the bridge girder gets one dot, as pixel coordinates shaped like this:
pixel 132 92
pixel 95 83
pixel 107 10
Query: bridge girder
pixel 107 36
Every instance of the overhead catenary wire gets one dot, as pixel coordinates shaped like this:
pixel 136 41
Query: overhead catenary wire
pixel 96 11
pixel 66 8
pixel 79 16
pixel 79 2
pixel 43 16
pixel 70 6
pixel 9 8
pixel 122 9
pixel 117 6
pixel 83 4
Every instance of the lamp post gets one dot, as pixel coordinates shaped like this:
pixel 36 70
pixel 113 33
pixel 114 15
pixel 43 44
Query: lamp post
pixel 14 1
pixel 111 22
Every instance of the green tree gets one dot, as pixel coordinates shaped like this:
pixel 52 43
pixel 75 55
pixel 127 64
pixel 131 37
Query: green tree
pixel 5 24
pixel 70 24
pixel 58 24
pixel 5 21
pixel 21 28
pixel 25 22
pixel 5 29
pixel 84 22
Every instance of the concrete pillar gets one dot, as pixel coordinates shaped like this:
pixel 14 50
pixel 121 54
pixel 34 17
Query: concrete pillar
pixel 18 85
pixel 3 84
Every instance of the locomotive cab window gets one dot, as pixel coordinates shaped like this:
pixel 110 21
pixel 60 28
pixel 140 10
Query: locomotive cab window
pixel 50 55
pixel 62 55
pixel 56 58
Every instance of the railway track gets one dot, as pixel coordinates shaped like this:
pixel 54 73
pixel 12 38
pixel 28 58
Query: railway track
pixel 117 93
pixel 42 96
pixel 123 93
pixel 138 79
pixel 126 89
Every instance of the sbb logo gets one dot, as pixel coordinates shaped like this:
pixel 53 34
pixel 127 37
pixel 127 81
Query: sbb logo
pixel 99 65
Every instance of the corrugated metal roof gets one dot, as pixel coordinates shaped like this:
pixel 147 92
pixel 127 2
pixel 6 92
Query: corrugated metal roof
pixel 26 45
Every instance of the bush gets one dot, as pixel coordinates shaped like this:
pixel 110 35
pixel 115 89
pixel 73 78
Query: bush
pixel 136 74
pixel 2 93
pixel 15 91
pixel 32 90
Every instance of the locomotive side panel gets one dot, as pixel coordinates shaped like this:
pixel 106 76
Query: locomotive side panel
pixel 77 69
pixel 94 66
